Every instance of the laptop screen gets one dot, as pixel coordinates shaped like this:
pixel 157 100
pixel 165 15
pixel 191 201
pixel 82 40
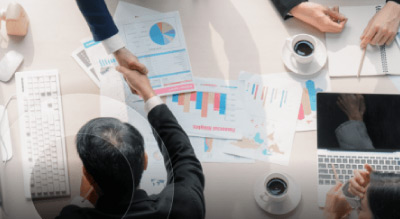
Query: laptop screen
pixel 361 122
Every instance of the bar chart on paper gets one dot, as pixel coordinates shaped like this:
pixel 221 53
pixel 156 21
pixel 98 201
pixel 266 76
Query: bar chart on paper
pixel 213 111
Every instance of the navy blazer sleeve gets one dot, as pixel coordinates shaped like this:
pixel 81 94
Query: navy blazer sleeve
pixel 284 6
pixel 98 18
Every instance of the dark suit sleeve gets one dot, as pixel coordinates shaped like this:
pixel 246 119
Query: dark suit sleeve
pixel 397 1
pixel 284 6
pixel 98 18
pixel 186 168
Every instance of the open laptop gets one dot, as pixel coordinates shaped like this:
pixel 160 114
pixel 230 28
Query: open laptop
pixel 354 129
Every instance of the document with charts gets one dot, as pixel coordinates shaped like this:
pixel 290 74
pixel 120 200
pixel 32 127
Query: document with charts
pixel 159 43
pixel 209 150
pixel 307 116
pixel 214 111
pixel 272 107
pixel 344 52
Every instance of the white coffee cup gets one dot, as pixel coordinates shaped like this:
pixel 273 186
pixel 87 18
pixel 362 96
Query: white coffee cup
pixel 276 187
pixel 302 41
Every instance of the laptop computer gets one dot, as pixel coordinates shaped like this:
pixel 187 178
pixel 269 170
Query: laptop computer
pixel 354 129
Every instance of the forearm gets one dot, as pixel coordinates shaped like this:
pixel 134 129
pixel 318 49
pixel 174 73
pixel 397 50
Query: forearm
pixel 285 6
pixel 98 18
pixel 185 166
pixel 353 135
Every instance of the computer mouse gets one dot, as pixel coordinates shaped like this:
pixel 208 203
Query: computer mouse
pixel 9 65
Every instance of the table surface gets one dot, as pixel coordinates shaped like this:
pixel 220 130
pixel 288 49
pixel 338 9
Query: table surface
pixel 223 37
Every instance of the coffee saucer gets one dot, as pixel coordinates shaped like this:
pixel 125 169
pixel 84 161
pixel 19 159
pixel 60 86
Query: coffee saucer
pixel 320 57
pixel 285 206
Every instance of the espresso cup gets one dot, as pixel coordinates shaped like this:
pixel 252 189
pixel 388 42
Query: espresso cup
pixel 302 47
pixel 276 186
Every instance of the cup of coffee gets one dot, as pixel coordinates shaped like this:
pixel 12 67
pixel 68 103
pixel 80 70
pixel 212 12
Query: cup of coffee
pixel 302 47
pixel 276 188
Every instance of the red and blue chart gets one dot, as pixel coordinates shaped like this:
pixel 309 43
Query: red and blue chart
pixel 162 33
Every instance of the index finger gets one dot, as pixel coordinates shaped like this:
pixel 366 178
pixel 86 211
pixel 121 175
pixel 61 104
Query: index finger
pixel 334 27
pixel 368 37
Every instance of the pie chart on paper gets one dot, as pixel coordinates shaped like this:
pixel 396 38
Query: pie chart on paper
pixel 162 33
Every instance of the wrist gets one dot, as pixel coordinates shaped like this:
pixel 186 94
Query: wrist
pixel 297 9
pixel 395 6
pixel 146 95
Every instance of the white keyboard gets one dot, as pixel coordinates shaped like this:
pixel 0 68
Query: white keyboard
pixel 42 135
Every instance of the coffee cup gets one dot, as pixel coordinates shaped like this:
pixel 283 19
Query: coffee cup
pixel 276 186
pixel 302 47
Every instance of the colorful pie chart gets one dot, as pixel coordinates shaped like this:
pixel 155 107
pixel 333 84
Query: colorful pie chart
pixel 162 33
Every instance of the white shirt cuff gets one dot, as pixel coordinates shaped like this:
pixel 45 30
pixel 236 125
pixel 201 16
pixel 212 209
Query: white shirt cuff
pixel 113 43
pixel 151 103
pixel 81 202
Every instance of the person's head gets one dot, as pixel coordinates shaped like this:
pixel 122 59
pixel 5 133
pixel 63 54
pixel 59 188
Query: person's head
pixel 382 200
pixel 112 152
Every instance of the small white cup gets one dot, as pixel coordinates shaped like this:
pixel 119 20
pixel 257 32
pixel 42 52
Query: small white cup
pixel 291 42
pixel 267 196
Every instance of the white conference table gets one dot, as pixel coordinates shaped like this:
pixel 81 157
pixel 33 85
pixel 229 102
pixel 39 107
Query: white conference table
pixel 223 38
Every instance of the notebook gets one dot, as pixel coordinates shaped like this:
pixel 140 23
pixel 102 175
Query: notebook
pixel 344 52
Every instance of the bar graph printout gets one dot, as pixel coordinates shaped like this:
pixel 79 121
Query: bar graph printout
pixel 214 111
pixel 272 106
pixel 159 43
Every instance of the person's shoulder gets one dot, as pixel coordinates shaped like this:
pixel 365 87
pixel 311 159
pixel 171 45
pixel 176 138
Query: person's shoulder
pixel 73 211
pixel 186 202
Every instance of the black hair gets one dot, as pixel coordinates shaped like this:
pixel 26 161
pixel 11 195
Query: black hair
pixel 112 152
pixel 384 195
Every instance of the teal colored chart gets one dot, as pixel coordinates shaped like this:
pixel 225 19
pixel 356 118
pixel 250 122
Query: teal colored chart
pixel 162 33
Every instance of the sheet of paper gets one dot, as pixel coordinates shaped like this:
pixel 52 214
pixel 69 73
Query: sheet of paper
pixel 344 52
pixel 214 111
pixel 272 107
pixel 159 43
pixel 113 104
pixel 5 136
pixel 128 12
pixel 81 57
pixel 98 56
pixel 307 117
pixel 210 150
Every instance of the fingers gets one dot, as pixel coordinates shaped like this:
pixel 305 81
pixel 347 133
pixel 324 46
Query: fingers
pixel 332 26
pixel 390 40
pixel 334 13
pixel 355 188
pixel 368 168
pixel 378 37
pixel 368 36
pixel 138 66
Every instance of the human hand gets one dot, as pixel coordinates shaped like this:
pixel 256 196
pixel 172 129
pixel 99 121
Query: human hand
pixel 360 181
pixel 126 59
pixel 336 205
pixel 382 28
pixel 353 105
pixel 139 83
pixel 87 188
pixel 322 18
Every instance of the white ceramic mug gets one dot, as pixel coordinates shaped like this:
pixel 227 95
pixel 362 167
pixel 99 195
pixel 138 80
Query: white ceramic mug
pixel 291 42
pixel 267 196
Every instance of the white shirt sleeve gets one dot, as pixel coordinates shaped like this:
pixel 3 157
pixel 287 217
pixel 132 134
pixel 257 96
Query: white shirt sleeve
pixel 113 43
pixel 151 103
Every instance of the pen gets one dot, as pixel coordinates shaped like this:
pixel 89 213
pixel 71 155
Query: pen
pixel 361 62
pixel 87 194
pixel 334 172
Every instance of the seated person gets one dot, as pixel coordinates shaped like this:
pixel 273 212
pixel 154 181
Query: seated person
pixel 381 29
pixel 112 153
pixel 375 195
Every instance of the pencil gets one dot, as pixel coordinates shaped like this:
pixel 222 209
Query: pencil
pixel 334 172
pixel 87 194
pixel 361 62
